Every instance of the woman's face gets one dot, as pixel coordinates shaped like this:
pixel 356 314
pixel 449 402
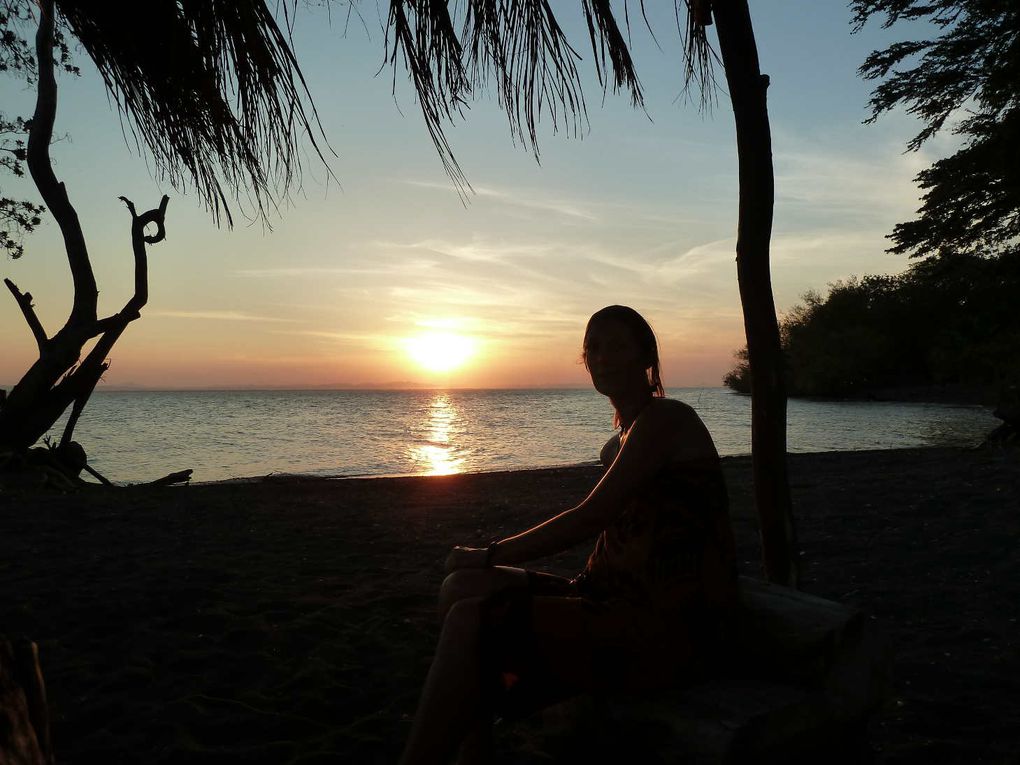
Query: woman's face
pixel 615 361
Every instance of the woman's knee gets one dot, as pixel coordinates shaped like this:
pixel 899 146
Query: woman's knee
pixel 477 583
pixel 460 584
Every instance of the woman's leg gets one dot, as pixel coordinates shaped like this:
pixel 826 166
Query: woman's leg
pixel 449 711
pixel 449 702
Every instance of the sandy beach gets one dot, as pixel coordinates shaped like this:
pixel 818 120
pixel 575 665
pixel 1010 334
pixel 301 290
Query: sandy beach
pixel 292 619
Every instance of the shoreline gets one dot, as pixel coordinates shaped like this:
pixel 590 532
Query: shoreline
pixel 297 477
pixel 269 477
pixel 985 398
pixel 294 619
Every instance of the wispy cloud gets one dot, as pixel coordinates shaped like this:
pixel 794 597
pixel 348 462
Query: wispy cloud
pixel 217 316
pixel 874 187
pixel 363 338
pixel 292 271
pixel 705 258
pixel 530 199
pixel 476 250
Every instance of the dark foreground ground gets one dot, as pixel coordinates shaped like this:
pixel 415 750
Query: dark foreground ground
pixel 291 620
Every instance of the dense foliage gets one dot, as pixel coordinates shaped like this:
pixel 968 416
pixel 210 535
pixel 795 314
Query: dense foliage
pixel 946 322
pixel 967 76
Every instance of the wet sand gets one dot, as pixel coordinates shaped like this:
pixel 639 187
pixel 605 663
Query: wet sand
pixel 292 619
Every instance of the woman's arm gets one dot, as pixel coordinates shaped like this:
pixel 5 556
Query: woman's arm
pixel 646 448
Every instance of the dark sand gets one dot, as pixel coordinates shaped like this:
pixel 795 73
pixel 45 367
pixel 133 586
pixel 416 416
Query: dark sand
pixel 291 620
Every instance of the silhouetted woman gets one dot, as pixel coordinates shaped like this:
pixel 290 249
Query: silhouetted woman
pixel 650 601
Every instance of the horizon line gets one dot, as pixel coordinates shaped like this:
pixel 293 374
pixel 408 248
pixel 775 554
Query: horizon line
pixel 396 387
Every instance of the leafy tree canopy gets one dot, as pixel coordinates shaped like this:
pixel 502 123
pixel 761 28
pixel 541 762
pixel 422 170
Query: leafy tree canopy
pixel 970 69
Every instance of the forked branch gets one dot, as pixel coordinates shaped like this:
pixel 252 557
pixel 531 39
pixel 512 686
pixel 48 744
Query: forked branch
pixel 138 242
pixel 132 309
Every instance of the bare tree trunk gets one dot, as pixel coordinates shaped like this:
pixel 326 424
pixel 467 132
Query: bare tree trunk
pixel 57 380
pixel 748 88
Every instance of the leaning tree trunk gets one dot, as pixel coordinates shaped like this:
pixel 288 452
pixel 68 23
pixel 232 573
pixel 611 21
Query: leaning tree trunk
pixel 747 86
pixel 57 380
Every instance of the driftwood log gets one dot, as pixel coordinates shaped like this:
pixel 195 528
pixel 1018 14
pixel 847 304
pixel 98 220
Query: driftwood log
pixel 798 683
pixel 24 717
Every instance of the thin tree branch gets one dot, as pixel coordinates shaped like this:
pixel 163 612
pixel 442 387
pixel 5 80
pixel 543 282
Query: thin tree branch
pixel 25 303
pixel 83 310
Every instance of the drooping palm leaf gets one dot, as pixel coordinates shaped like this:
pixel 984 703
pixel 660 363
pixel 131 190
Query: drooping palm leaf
pixel 211 87
pixel 521 46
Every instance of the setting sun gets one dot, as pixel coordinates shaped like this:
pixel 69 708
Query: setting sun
pixel 440 351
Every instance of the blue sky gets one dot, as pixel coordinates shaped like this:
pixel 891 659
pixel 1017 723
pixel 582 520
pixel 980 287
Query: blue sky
pixel 640 209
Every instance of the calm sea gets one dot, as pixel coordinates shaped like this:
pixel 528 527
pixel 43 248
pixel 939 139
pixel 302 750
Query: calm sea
pixel 141 436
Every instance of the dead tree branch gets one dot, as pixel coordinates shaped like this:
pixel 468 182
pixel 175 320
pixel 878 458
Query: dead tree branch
pixel 24 300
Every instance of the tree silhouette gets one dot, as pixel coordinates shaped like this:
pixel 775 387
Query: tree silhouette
pixel 970 70
pixel 213 91
pixel 946 327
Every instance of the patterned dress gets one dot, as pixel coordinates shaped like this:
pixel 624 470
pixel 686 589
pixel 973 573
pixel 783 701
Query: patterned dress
pixel 671 550
pixel 649 605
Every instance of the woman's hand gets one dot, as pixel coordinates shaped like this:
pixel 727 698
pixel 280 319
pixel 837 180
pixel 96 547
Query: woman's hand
pixel 467 557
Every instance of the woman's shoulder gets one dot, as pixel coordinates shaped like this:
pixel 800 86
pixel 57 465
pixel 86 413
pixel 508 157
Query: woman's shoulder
pixel 685 434
pixel 672 410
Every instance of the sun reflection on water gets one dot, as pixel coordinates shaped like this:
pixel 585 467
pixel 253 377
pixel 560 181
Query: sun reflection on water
pixel 438 455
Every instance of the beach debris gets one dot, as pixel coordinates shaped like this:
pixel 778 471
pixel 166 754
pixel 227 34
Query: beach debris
pixel 60 466
pixel 181 476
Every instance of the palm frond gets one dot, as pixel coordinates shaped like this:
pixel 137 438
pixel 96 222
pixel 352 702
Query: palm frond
pixel 521 46
pixel 211 87
pixel 699 57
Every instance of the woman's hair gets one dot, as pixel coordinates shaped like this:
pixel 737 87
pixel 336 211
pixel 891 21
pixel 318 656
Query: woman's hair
pixel 640 330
